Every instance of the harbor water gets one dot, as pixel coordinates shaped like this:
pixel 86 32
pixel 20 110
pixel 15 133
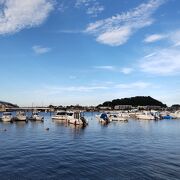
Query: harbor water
pixel 137 149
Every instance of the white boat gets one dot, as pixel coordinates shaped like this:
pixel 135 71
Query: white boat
pixel 36 117
pixel 156 114
pixel 21 116
pixel 146 115
pixel 103 118
pixel 118 116
pixel 176 115
pixel 76 118
pixel 7 117
pixel 60 115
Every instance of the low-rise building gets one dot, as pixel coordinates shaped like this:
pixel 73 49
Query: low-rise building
pixel 2 107
pixel 122 107
pixel 105 108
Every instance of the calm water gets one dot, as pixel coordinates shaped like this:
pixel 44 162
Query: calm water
pixel 133 150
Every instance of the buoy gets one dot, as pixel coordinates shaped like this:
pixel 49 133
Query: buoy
pixel 47 129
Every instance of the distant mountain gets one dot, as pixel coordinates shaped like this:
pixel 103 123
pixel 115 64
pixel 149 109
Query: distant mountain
pixel 8 104
pixel 134 101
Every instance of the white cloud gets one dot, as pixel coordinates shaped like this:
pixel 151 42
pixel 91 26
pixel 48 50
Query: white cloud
pixel 115 37
pixel 117 30
pixel 41 50
pixel 154 38
pixel 16 15
pixel 162 62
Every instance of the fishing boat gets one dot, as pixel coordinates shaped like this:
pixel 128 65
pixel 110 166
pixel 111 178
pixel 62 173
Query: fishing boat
pixel 21 116
pixel 7 117
pixel 36 117
pixel 76 118
pixel 60 115
pixel 145 115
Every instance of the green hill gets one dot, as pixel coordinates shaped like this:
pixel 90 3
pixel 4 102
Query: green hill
pixel 7 104
pixel 134 101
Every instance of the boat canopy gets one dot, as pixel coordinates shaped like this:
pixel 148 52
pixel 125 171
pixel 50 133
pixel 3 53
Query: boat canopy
pixel 104 116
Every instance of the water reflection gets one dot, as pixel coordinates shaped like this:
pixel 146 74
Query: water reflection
pixel 77 130
pixel 20 123
pixel 60 123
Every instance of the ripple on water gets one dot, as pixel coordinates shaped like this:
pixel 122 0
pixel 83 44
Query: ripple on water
pixel 133 150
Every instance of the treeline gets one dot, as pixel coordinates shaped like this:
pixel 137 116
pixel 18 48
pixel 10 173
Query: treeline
pixel 134 101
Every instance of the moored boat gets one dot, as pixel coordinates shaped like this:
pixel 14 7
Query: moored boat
pixel 145 115
pixel 7 117
pixel 118 116
pixel 176 114
pixel 60 115
pixel 103 118
pixel 36 117
pixel 76 118
pixel 21 116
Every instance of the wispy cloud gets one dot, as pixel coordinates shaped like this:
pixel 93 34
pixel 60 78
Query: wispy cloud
pixel 40 50
pixel 105 67
pixel 93 7
pixel 60 89
pixel 54 90
pixel 95 10
pixel 162 62
pixel 117 30
pixel 127 70
pixel 173 37
pixel 137 85
pixel 124 70
pixel 68 31
pixel 62 7
pixel 17 14
pixel 154 38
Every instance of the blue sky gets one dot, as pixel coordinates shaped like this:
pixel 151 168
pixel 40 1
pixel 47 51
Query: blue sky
pixel 89 51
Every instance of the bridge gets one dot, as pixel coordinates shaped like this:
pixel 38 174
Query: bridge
pixel 47 109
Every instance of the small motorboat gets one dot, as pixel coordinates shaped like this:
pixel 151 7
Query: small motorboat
pixel 21 116
pixel 118 116
pixel 76 118
pixel 7 117
pixel 103 118
pixel 167 117
pixel 36 117
pixel 145 115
